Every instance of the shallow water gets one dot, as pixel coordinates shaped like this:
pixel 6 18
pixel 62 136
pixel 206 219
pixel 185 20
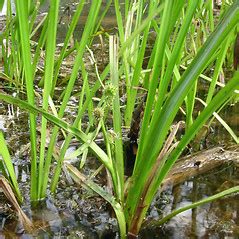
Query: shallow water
pixel 66 12
pixel 218 219
pixel 77 213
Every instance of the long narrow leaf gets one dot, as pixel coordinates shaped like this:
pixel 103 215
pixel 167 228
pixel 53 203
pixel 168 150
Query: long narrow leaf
pixel 161 123
pixel 119 160
pixel 60 123
pixel 22 15
pixel 199 203
pixel 80 179
pixel 48 78
pixel 8 164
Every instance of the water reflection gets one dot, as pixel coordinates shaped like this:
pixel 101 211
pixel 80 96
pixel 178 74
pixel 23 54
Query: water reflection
pixel 218 219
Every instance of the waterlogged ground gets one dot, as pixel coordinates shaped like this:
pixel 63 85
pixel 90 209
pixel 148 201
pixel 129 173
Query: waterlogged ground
pixel 218 219
pixel 75 212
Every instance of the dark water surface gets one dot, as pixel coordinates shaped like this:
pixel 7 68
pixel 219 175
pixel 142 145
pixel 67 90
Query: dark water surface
pixel 77 213
pixel 218 219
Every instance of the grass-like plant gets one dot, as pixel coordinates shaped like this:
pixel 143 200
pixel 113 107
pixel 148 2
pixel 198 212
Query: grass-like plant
pixel 17 35
pixel 167 86
pixel 8 167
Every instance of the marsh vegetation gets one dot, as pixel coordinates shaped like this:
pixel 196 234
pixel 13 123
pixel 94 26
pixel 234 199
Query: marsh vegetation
pixel 108 95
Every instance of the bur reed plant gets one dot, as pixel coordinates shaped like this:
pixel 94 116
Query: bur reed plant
pixel 26 66
pixel 170 85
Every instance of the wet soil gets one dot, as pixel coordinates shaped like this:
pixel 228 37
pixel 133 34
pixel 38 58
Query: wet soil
pixel 74 212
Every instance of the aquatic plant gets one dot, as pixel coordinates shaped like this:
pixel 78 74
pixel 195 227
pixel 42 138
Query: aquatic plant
pixel 20 67
pixel 40 169
pixel 169 88
pixel 156 153
pixel 7 167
